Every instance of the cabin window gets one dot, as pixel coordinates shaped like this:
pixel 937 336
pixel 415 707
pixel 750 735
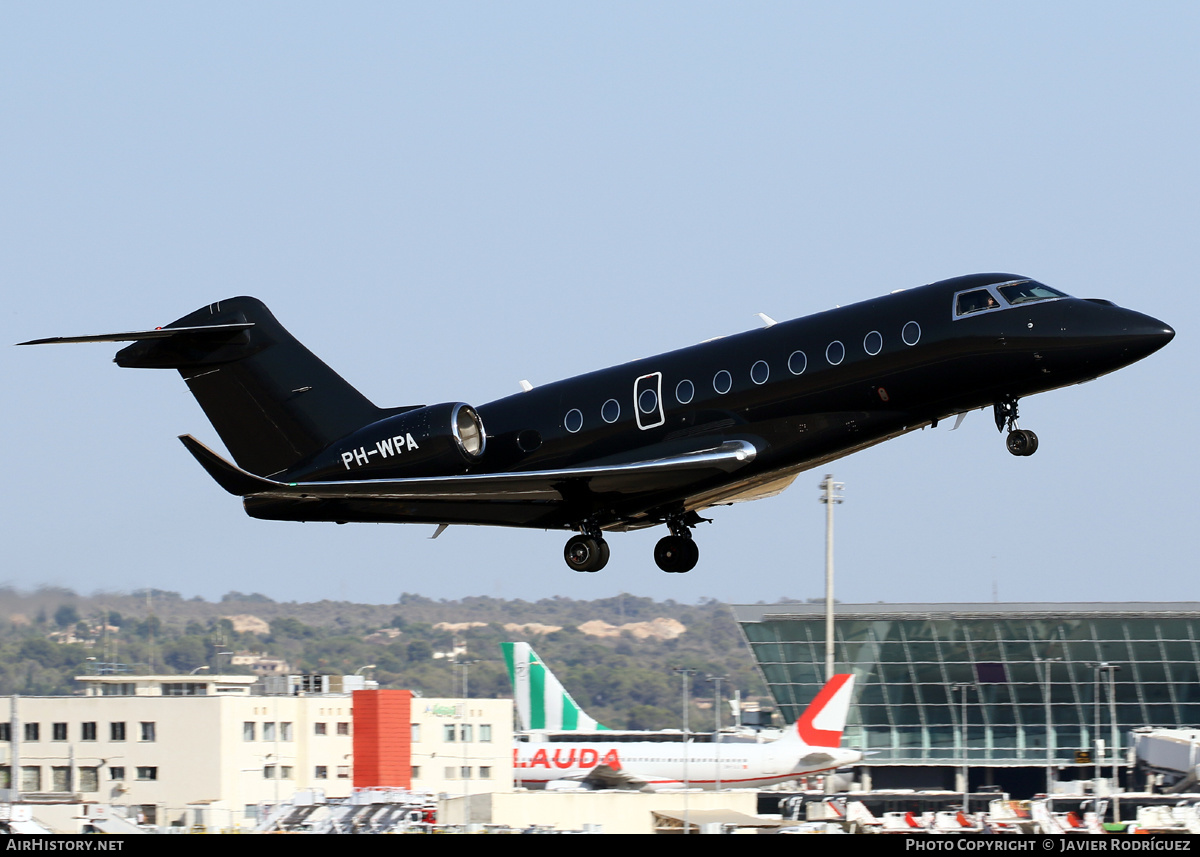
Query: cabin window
pixel 722 382
pixel 610 411
pixel 835 353
pixel 647 401
pixel 1028 290
pixel 980 300
pixel 684 392
pixel 873 342
pixel 911 333
pixel 797 363
pixel 573 421
pixel 760 372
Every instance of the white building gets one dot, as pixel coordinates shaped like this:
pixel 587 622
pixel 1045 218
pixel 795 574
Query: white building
pixel 164 745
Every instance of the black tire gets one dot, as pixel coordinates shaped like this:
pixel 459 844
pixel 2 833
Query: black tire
pixel 692 555
pixel 601 560
pixel 1019 442
pixel 671 554
pixel 583 553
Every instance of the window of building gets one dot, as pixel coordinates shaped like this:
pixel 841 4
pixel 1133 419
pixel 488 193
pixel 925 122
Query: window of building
pixel 250 813
pixel 343 772
pixel 322 772
pixel 5 731
pixel 416 772
pixel 60 779
pixel 415 734
pixel 485 732
pixel 146 773
pixel 116 773
pixel 31 731
pixel 88 730
pixel 285 732
pixel 89 779
pixel 248 731
pixel 147 731
pixel 116 732
pixel 343 728
pixel 269 772
pixel 467 732
pixel 118 689
pixel 268 731
pixel 31 778
pixel 285 772
pixel 148 813
pixel 449 732
pixel 59 731
pixel 452 773
pixel 5 777
pixel 485 772
pixel 466 772
pixel 320 729
pixel 184 688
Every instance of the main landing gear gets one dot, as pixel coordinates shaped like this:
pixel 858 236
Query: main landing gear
pixel 1019 441
pixel 587 551
pixel 674 554
pixel 677 553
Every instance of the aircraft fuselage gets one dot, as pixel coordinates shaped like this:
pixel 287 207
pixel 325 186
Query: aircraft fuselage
pixel 802 392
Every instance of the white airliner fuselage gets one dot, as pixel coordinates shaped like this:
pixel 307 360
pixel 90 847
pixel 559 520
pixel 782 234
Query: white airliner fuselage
pixel 672 764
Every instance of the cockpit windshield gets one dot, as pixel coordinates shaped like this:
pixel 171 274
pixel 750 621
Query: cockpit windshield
pixel 1026 291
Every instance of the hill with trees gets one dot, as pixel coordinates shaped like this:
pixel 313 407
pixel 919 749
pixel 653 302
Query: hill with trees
pixel 616 656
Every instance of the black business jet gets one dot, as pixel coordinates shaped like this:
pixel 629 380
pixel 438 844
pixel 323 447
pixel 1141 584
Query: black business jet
pixel 655 441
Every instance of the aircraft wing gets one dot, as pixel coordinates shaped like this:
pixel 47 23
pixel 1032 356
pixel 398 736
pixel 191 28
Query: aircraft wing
pixel 532 485
pixel 606 777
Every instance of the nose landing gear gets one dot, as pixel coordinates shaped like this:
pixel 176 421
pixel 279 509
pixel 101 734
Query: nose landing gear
pixel 1019 441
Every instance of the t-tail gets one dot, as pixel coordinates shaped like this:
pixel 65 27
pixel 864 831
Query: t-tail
pixel 822 723
pixel 273 402
pixel 542 702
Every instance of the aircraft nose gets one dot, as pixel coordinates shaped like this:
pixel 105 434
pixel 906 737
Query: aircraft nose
pixel 1142 335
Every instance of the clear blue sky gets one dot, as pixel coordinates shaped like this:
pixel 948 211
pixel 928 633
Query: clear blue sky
pixel 441 199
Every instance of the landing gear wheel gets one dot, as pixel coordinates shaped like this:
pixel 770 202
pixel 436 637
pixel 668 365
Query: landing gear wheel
pixel 1022 442
pixel 585 553
pixel 676 554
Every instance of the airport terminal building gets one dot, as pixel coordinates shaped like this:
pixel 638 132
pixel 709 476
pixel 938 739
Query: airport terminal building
pixel 997 687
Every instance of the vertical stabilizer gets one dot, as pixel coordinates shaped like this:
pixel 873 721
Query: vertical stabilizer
pixel 273 402
pixel 822 722
pixel 542 703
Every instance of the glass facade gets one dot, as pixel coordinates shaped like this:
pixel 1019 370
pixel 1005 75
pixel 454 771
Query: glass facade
pixel 1036 677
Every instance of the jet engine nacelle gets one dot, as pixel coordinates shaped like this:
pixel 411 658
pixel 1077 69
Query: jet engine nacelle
pixel 434 440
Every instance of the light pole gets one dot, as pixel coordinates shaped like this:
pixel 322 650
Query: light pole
pixel 829 498
pixel 962 687
pixel 1046 663
pixel 716 680
pixel 685 673
pixel 1097 741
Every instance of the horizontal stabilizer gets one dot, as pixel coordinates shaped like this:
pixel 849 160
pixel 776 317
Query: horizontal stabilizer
pixel 138 335
pixel 228 475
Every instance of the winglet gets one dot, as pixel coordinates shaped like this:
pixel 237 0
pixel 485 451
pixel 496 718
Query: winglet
pixel 227 474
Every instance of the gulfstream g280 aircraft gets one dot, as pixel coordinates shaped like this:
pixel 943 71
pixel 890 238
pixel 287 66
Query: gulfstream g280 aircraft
pixel 652 442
